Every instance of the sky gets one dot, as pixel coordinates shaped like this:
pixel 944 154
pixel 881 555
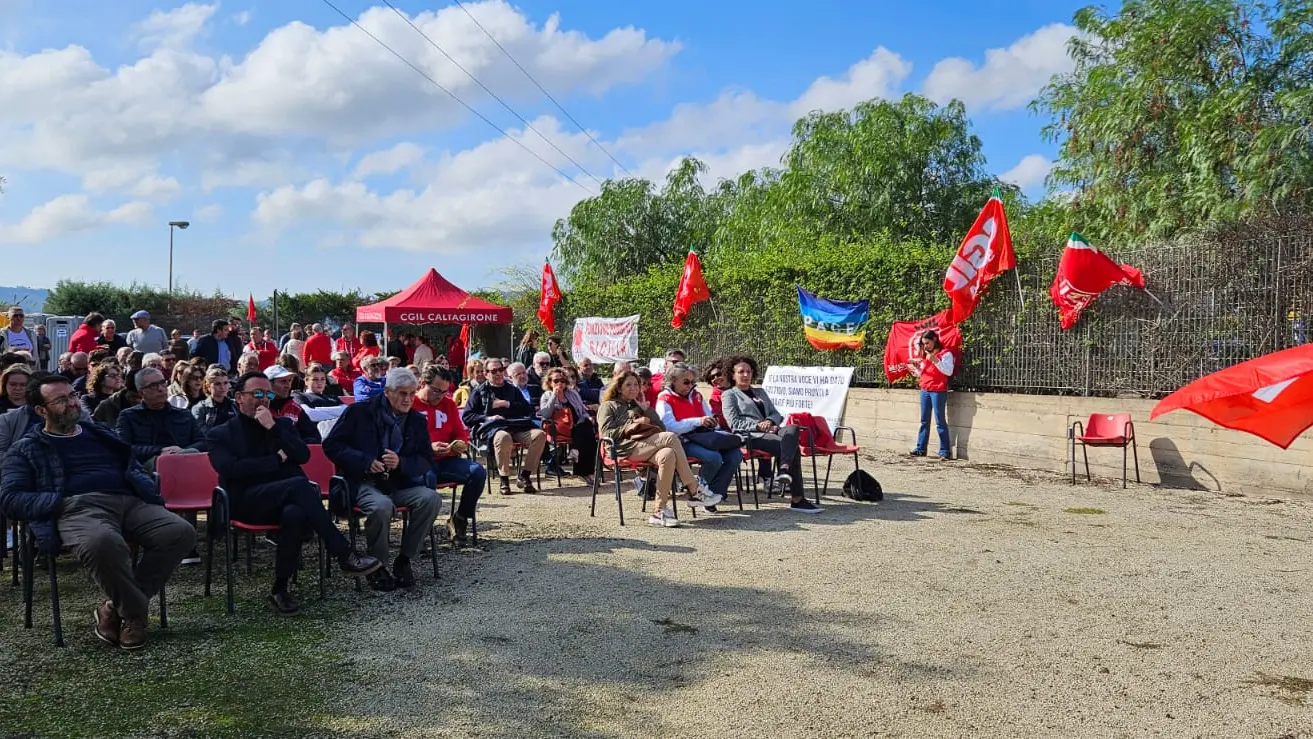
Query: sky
pixel 307 156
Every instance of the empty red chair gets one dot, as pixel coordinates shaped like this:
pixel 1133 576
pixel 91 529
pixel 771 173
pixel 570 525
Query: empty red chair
pixel 1104 429
pixel 319 469
pixel 817 441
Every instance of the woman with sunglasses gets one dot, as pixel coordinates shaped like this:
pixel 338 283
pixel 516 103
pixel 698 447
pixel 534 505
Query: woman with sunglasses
pixel 567 420
pixel 684 412
pixel 187 388
pixel 105 379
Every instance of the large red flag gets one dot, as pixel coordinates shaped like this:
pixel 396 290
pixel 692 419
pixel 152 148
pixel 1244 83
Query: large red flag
pixel 250 308
pixel 902 351
pixel 1083 273
pixel 551 293
pixel 985 253
pixel 692 289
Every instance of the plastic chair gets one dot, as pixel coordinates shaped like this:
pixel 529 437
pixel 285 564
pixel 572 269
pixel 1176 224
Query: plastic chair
pixel 347 399
pixel 818 441
pixel 1104 430
pixel 606 458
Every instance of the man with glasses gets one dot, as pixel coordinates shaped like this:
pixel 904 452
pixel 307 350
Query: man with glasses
pixel 154 427
pixel 500 416
pixel 80 486
pixel 15 338
pixel 382 449
pixel 449 440
pixel 258 458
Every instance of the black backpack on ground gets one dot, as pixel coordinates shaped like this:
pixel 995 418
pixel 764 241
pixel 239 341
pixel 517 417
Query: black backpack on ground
pixel 860 486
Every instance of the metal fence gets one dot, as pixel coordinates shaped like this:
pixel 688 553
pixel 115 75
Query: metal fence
pixel 1225 299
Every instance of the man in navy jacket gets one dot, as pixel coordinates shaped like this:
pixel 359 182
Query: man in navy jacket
pixel 78 484
pixel 381 447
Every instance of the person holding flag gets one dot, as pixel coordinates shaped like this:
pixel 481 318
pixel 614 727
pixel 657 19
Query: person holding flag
pixel 938 363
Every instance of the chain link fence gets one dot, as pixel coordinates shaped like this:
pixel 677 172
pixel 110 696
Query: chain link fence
pixel 1224 298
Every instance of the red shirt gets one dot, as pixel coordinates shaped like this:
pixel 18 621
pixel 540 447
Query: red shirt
pixel 936 369
pixel 365 351
pixel 443 421
pixel 717 407
pixel 318 348
pixel 350 346
pixel 346 380
pixel 83 339
pixel 456 356
pixel 268 352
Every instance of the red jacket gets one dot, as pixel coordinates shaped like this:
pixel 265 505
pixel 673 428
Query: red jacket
pixel 443 421
pixel 365 351
pixel 936 369
pixel 350 346
pixel 268 352
pixel 83 339
pixel 345 380
pixel 318 348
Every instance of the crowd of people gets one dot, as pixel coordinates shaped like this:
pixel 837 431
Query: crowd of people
pixel 80 441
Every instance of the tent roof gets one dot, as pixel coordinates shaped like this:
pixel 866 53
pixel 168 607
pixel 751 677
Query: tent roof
pixel 432 299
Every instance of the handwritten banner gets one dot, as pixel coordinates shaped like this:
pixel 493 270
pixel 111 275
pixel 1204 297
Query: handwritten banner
pixel 820 391
pixel 606 340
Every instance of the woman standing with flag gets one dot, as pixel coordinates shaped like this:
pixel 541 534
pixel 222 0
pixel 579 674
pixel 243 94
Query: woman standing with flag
pixel 938 364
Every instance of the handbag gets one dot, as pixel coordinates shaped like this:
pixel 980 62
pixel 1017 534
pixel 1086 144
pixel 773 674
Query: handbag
pixel 719 441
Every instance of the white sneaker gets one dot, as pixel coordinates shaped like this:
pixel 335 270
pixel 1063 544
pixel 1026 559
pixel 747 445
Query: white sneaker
pixel 705 498
pixel 665 518
pixel 783 480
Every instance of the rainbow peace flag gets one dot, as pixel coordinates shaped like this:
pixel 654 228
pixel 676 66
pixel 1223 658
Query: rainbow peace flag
pixel 833 324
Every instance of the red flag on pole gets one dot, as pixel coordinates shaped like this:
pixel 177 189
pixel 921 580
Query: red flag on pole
pixel 692 289
pixel 465 335
pixel 985 253
pixel 250 308
pixel 902 351
pixel 551 293
pixel 1083 273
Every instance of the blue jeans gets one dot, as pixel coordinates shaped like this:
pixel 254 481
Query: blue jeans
pixel 936 402
pixel 462 470
pixel 717 468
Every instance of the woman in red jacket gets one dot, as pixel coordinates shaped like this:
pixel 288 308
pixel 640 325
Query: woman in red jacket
pixel 937 366
pixel 368 348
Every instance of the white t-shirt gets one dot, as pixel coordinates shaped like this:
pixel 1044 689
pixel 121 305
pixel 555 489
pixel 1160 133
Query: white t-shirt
pixel 18 340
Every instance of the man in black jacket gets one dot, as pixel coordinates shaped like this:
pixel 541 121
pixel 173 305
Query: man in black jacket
pixel 381 447
pixel 79 485
pixel 499 414
pixel 258 458
pixel 154 427
pixel 215 348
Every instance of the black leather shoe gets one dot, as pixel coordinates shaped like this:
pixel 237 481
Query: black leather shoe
pixel 402 573
pixel 457 527
pixel 381 581
pixel 359 564
pixel 284 603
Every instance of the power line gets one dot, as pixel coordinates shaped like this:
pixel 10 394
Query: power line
pixel 494 95
pixel 542 89
pixel 453 96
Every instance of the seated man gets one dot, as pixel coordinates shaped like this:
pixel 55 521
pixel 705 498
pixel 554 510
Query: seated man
pixel 154 427
pixel 382 449
pixel 258 458
pixel 79 485
pixel 283 406
pixel 449 439
pixel 501 416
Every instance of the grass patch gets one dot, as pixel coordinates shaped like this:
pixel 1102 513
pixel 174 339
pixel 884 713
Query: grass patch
pixel 673 627
pixel 209 674
pixel 1085 511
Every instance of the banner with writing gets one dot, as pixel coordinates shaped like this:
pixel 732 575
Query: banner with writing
pixel 820 391
pixel 606 340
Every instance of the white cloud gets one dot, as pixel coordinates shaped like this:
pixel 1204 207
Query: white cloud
pixel 68 214
pixel 242 18
pixel 1029 172
pixel 208 213
pixel 156 188
pixel 878 76
pixel 389 161
pixel 174 28
pixel 1009 77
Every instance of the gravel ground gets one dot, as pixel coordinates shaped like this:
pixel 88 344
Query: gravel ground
pixel 972 601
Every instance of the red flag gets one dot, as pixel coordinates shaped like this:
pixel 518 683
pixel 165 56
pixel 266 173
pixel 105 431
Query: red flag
pixel 902 351
pixel 1083 273
pixel 551 293
pixel 692 289
pixel 985 253
pixel 250 309
pixel 465 335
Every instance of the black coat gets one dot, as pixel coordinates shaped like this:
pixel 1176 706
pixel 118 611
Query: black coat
pixel 518 417
pixel 357 440
pixel 150 431
pixel 245 454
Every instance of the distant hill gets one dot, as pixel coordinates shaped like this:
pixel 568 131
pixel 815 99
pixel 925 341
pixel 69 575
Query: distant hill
pixel 32 299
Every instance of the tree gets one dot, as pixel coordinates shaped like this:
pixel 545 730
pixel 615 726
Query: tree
pixel 1184 112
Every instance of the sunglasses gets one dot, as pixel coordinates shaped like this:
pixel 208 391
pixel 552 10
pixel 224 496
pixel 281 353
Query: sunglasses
pixel 154 385
pixel 495 369
pixel 716 375
pixel 558 381
pixel 261 394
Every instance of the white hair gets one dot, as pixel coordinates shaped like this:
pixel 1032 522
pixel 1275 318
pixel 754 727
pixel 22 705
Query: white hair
pixel 541 357
pixel 515 366
pixel 400 378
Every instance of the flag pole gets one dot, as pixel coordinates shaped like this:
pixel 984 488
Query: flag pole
pixel 1021 293
pixel 1155 299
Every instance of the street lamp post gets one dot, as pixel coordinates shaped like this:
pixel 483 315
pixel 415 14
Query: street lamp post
pixel 172 225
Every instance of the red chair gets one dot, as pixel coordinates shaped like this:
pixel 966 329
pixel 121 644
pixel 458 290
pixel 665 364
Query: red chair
pixel 347 399
pixel 606 458
pixel 817 441
pixel 1104 430
pixel 319 469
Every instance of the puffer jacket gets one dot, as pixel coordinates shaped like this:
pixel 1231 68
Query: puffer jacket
pixel 15 424
pixel 150 431
pixel 32 481
pixel 108 410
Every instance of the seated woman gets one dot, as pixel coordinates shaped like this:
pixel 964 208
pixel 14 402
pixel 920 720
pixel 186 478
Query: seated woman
pixel 316 393
pixel 371 383
pixel 218 406
pixel 568 423
pixel 750 413
pixel 14 381
pixel 105 379
pixel 474 376
pixel 344 372
pixel 638 434
pixel 717 375
pixel 187 388
pixel 684 412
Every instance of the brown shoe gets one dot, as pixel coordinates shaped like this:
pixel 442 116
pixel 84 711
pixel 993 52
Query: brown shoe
pixel 359 565
pixel 108 623
pixel 132 634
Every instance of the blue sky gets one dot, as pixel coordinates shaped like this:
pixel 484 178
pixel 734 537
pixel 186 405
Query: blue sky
pixel 307 157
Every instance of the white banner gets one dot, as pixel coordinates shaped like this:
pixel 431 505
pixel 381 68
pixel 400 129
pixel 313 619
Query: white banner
pixel 606 340
pixel 820 391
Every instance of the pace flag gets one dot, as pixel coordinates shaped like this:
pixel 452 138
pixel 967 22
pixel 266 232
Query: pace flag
pixel 833 324
pixel 1083 273
pixel 551 293
pixel 902 352
pixel 985 253
pixel 692 289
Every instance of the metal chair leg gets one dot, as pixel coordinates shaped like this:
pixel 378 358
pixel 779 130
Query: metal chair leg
pixel 209 558
pixel 28 553
pixel 229 543
pixel 323 571
pixel 1136 454
pixel 164 609
pixel 54 600
pixel 433 544
pixel 619 499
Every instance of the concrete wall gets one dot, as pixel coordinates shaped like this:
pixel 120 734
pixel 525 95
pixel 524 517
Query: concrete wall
pixel 1177 450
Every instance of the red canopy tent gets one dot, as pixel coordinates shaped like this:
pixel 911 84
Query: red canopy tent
pixel 433 300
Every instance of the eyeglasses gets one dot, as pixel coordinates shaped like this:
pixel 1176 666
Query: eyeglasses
pixel 113 376
pixel 260 394
pixel 61 400
pixel 154 385
pixel 683 382
pixel 559 381
pixel 495 369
